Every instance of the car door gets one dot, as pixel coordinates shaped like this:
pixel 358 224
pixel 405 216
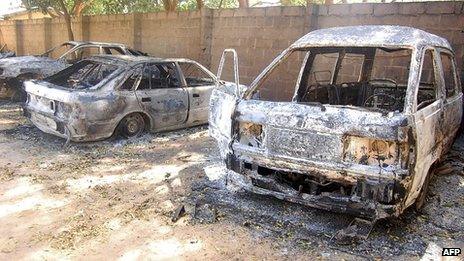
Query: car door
pixel 199 84
pixel 161 95
pixel 223 101
pixel 452 107
pixel 428 119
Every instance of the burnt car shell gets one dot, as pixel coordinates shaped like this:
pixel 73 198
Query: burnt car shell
pixel 341 151
pixel 70 106
pixel 15 70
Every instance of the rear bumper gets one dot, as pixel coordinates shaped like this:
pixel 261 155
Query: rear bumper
pixel 46 123
pixel 362 204
pixel 77 131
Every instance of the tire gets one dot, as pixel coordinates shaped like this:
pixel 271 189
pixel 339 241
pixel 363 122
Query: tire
pixel 420 201
pixel 16 89
pixel 133 125
pixel 17 85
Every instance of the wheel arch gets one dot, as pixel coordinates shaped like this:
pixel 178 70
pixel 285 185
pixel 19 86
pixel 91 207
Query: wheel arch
pixel 147 119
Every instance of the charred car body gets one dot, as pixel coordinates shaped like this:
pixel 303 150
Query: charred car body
pixel 100 95
pixel 373 108
pixel 15 70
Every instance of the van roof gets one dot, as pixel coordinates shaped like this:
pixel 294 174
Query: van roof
pixel 371 36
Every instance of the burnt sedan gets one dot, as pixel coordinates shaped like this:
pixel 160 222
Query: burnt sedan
pixel 102 95
pixel 15 70
pixel 347 119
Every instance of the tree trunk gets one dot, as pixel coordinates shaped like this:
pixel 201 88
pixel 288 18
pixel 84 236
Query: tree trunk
pixel 170 5
pixel 199 4
pixel 67 19
pixel 243 3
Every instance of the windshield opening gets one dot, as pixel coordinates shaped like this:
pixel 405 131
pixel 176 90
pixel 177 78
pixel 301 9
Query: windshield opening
pixel 372 77
pixel 83 75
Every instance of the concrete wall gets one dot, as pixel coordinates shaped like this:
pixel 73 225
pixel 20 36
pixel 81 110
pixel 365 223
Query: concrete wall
pixel 258 34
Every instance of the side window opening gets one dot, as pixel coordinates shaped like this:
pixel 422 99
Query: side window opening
pixel 323 68
pixel 159 76
pixel 194 75
pixel 449 74
pixel 427 92
pixel 129 83
pixel 82 53
pixel 58 51
pixel 281 81
pixel 89 51
pixel 113 50
pixel 147 73
pixel 166 76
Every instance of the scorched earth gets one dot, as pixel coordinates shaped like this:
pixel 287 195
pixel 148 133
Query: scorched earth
pixel 118 199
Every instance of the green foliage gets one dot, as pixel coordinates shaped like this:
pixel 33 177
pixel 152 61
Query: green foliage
pixel 145 6
pixel 225 3
pixel 293 2
pixel 124 6
pixel 55 8
pixel 186 5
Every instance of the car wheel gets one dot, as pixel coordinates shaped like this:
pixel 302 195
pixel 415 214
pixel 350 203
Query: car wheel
pixel 420 201
pixel 16 90
pixel 132 125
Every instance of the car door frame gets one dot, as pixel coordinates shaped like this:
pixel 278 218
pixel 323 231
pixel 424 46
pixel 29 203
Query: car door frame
pixel 200 115
pixel 427 124
pixel 223 101
pixel 128 97
pixel 452 106
pixel 159 121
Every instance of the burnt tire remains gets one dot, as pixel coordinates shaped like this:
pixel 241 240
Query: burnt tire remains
pixel 132 125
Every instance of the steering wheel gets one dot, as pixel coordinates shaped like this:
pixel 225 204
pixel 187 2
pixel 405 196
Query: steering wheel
pixel 387 101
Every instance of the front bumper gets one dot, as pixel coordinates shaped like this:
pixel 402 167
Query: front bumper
pixel 362 204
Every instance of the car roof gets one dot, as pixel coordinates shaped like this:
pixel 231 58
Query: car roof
pixel 128 59
pixel 371 36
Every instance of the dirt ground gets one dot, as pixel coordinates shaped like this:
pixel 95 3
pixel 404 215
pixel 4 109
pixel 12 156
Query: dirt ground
pixel 116 198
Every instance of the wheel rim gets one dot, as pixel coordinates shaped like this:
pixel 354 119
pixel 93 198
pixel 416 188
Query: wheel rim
pixel 134 125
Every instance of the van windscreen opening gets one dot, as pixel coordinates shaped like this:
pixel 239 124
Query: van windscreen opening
pixel 369 77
